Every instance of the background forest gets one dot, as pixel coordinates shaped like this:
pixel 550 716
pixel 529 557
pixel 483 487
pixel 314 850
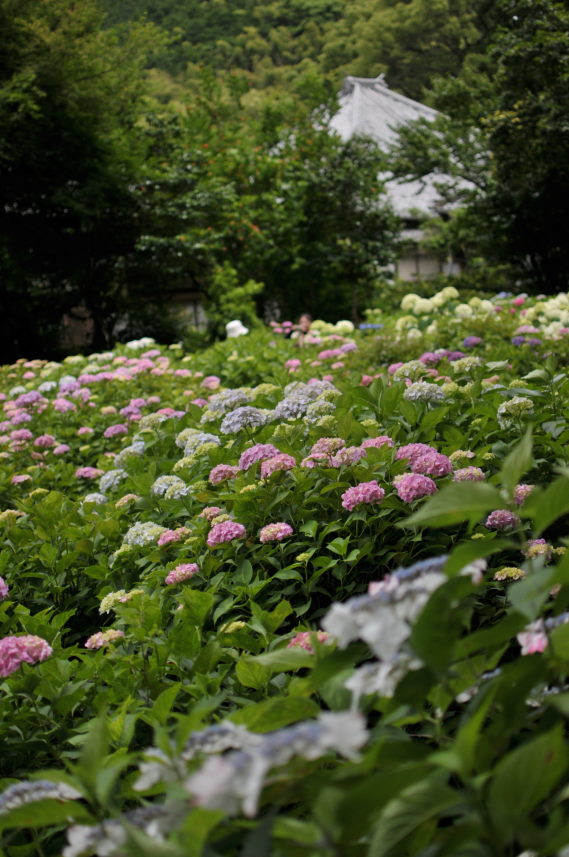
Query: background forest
pixel 154 148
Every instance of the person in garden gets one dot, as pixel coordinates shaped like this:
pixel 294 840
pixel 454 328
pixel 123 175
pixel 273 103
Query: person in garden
pixel 302 328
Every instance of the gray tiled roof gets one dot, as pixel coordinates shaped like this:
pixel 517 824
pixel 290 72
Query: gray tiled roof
pixel 368 106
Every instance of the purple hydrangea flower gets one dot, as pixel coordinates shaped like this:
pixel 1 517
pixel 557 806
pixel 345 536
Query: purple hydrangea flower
pixel 502 519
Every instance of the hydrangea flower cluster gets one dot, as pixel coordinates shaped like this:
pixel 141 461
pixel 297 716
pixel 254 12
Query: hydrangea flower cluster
pixel 282 461
pixel 413 486
pixel 431 464
pixel 245 417
pixel 222 472
pixel 517 408
pixel 502 519
pixel 171 487
pixel 469 474
pixel 225 532
pixel 103 638
pixel 275 532
pixel 365 492
pixel 347 456
pixel 423 391
pixel 256 453
pixel 170 536
pixel 143 533
pixel 18 650
pixel 181 573
pixel 303 640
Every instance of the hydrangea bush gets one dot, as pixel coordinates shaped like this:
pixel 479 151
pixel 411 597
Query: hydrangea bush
pixel 318 604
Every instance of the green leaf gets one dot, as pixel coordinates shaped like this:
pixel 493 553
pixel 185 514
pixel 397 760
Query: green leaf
pixel 517 463
pixel 528 596
pixel 524 778
pixel 467 552
pixel 252 674
pixel 547 506
pixel 560 642
pixel 425 800
pixel 462 501
pixel 41 813
pixel 275 713
pixel 197 605
pixel 164 702
pixel 285 659
pixel 271 620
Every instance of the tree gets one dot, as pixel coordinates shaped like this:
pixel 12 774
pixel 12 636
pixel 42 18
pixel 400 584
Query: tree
pixel 69 96
pixel 283 202
pixel 505 145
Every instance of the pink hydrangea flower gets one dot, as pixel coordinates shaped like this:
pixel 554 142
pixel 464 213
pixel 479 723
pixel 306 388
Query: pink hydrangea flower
pixel 115 430
pixel 468 474
pixel 44 441
pixel 19 478
pixel 210 512
pixel 337 365
pixel 275 532
pixel 61 449
pixel 88 472
pixel 365 492
pixel 303 640
pixel 222 472
pixel 181 573
pixel 432 464
pixel 84 430
pixel 413 486
pixel 282 461
pixel 4 589
pixel 21 434
pixel 502 519
pixel 346 456
pixel 294 363
pixel 27 649
pixel 63 406
pixel 259 452
pixel 382 440
pixel 327 446
pixel 224 532
pixel 412 451
pixel 366 380
pixel 201 403
pixel 393 367
pixel 211 382
pixel 103 638
pixel 533 638
pixel 522 492
pixel 169 536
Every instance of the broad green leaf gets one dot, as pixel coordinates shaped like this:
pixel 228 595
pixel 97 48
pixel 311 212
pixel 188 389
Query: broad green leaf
pixel 517 463
pixel 528 596
pixel 456 503
pixel 42 813
pixel 560 642
pixel 524 778
pixel 252 674
pixel 286 659
pixel 275 713
pixel 417 804
pixel 548 505
pixel 197 605
pixel 467 552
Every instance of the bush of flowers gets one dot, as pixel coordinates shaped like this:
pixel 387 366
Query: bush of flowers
pixel 265 599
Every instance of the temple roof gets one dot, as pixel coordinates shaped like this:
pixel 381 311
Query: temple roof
pixel 369 107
